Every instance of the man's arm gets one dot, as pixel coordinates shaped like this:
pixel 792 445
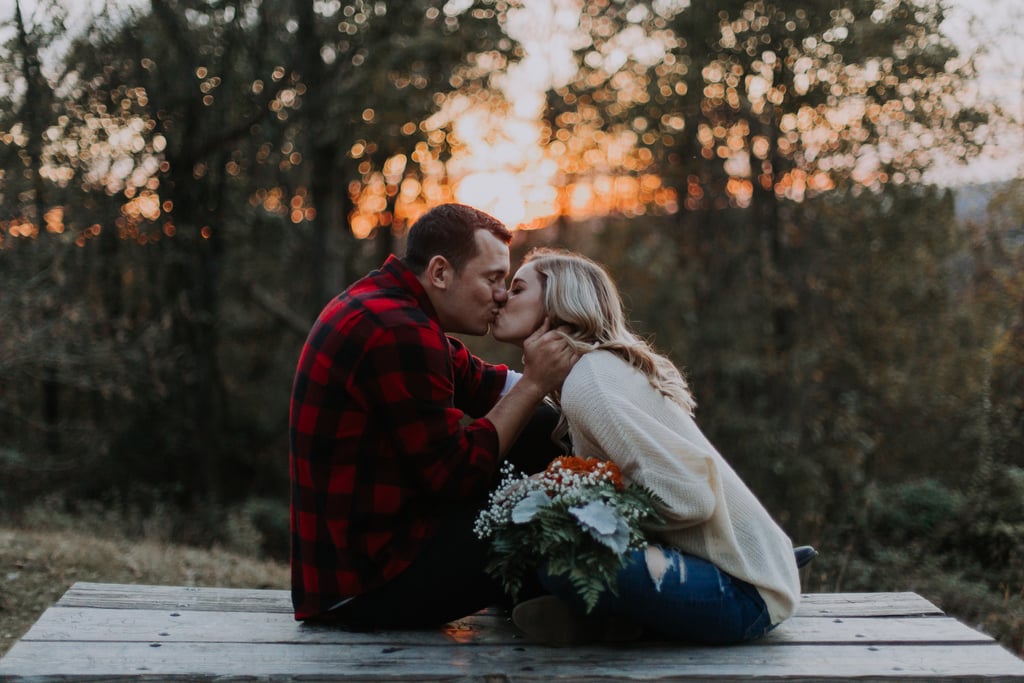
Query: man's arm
pixel 547 359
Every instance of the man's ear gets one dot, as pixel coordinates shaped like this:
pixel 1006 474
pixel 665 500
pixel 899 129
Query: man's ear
pixel 439 272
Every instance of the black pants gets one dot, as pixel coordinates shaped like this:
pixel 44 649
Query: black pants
pixel 447 580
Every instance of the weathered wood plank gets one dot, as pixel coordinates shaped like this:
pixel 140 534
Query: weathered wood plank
pixel 106 625
pixel 126 596
pixel 206 661
pixel 125 632
pixel 131 596
pixel 904 604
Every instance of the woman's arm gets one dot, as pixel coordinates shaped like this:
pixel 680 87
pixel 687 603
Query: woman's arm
pixel 613 408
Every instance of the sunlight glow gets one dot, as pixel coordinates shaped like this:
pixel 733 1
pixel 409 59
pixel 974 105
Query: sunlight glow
pixel 506 162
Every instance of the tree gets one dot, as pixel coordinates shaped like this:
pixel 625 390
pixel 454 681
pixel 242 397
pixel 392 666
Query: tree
pixel 995 295
pixel 201 157
pixel 749 110
pixel 26 119
pixel 368 75
pixel 747 103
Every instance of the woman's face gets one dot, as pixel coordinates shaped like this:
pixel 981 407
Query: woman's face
pixel 523 312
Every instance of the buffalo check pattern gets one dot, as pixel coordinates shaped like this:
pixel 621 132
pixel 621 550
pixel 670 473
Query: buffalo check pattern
pixel 379 437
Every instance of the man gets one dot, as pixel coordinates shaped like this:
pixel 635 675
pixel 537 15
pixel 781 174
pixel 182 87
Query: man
pixel 397 431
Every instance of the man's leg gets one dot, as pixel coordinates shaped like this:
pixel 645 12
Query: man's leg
pixel 447 580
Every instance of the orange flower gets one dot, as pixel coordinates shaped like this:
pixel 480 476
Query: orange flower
pixel 572 463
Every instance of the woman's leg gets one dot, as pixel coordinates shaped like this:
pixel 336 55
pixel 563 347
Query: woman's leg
pixel 677 596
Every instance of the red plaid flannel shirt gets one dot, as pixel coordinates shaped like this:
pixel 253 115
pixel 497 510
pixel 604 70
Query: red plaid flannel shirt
pixel 378 440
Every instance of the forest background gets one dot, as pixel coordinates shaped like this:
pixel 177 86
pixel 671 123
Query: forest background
pixel 185 183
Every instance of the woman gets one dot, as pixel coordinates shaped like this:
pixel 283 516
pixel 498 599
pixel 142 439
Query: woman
pixel 723 571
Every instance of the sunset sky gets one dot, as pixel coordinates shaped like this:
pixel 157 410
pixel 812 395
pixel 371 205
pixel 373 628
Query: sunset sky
pixel 501 156
pixel 503 170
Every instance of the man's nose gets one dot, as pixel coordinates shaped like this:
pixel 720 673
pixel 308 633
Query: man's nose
pixel 500 295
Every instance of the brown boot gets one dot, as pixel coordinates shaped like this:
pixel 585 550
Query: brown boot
pixel 548 620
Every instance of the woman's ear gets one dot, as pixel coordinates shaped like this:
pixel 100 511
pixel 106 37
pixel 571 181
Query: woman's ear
pixel 556 324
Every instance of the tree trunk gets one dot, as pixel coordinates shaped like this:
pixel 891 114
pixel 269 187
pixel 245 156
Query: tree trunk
pixel 35 115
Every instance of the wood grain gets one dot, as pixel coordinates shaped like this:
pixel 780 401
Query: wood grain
pixel 119 632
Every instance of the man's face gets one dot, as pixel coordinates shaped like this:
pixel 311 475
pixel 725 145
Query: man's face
pixel 475 294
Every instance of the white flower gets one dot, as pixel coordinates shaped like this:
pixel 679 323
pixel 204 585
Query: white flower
pixel 576 518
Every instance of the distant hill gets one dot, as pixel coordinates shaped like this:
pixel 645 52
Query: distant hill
pixel 972 200
pixel 971 203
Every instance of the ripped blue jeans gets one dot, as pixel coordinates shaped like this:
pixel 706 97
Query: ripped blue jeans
pixel 678 597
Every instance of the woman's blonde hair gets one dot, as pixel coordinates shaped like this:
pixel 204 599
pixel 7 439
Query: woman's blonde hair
pixel 580 295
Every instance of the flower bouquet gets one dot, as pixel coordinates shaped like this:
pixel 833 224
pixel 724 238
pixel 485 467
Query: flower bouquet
pixel 577 517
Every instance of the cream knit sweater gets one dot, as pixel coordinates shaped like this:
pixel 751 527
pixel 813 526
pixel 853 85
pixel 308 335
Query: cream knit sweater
pixel 615 414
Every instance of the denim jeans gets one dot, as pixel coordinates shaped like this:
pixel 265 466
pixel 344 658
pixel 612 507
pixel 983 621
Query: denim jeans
pixel 692 600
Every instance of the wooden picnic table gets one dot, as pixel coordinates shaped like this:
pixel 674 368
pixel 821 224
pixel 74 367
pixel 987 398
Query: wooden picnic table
pixel 134 632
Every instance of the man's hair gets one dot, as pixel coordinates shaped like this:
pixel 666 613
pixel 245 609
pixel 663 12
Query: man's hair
pixel 449 230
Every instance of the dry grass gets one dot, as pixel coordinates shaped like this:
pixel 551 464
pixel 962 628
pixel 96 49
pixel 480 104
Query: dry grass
pixel 38 566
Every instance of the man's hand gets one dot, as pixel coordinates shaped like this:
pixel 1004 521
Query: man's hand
pixel 547 358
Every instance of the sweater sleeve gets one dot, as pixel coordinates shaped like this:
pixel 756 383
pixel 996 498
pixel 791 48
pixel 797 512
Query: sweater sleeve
pixel 609 407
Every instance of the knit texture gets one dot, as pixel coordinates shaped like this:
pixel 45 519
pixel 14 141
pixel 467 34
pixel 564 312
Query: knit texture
pixel 614 413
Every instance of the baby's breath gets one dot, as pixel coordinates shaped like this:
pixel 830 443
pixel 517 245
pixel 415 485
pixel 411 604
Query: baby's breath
pixel 576 518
